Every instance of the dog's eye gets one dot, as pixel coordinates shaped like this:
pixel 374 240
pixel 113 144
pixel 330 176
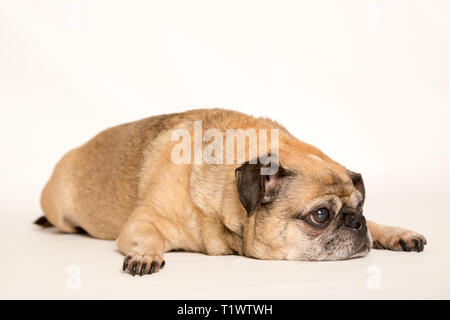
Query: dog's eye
pixel 320 217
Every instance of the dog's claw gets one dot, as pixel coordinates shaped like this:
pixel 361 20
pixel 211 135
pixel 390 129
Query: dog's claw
pixel 125 263
pixel 162 264
pixel 404 245
pixel 421 246
pixel 142 269
pixel 153 267
pixel 133 268
pixel 418 244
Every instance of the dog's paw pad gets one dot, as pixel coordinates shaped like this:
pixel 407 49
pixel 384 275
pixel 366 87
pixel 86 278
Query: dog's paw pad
pixel 143 264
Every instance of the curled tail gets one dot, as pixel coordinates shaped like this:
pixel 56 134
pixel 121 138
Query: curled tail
pixel 43 222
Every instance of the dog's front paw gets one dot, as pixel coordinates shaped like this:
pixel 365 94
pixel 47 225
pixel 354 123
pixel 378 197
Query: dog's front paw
pixel 399 239
pixel 143 264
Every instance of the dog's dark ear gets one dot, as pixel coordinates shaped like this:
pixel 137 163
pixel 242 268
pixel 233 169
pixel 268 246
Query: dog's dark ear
pixel 255 188
pixel 250 184
pixel 358 182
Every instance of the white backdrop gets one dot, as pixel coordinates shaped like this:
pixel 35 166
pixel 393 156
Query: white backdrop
pixel 368 82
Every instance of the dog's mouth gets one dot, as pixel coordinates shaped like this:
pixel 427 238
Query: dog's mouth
pixel 364 248
pixel 361 252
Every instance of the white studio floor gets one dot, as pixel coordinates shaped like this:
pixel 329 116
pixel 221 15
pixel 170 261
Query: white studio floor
pixel 45 264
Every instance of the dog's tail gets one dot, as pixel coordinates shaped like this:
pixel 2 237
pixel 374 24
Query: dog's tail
pixel 43 222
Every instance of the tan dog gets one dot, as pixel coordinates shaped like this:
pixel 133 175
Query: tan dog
pixel 124 184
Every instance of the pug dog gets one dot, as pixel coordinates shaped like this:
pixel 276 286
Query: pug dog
pixel 165 183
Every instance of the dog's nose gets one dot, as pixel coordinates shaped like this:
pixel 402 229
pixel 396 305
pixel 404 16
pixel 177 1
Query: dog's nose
pixel 357 222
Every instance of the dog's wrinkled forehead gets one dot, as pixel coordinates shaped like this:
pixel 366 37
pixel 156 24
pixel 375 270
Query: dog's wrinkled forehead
pixel 345 189
pixel 319 177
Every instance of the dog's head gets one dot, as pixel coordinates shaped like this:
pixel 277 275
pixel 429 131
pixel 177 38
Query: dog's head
pixel 310 209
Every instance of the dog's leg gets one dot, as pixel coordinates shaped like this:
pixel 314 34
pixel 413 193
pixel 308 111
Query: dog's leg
pixel 393 238
pixel 142 244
